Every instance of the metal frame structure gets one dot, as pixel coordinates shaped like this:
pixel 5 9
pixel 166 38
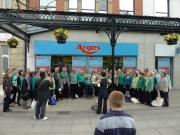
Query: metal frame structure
pixel 113 25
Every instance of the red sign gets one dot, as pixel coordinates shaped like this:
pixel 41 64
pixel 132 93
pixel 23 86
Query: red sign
pixel 91 49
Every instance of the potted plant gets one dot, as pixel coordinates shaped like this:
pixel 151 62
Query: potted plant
pixel 171 38
pixel 61 35
pixel 12 43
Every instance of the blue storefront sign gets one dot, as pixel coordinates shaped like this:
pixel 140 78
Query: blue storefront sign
pixel 43 47
pixel 164 64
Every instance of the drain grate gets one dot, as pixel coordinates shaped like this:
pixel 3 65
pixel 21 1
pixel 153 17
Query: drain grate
pixel 64 112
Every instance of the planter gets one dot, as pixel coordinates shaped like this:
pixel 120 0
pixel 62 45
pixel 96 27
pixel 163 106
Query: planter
pixel 172 42
pixel 61 39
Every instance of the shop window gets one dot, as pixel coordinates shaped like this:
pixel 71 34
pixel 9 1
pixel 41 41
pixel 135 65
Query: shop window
pixel 161 8
pixel 73 5
pixel 49 5
pixel 5 58
pixel 126 7
pixel 88 6
pixel 103 4
pixel 7 3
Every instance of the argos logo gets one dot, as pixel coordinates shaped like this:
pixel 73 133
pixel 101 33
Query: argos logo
pixel 91 49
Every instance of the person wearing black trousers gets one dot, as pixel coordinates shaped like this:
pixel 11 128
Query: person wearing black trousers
pixel 7 90
pixel 19 84
pixel 14 85
pixel 103 93
pixel 73 85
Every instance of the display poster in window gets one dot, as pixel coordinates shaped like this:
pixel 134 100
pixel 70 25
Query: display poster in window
pixel 130 62
pixel 95 63
pixel 43 63
pixel 79 62
pixel 164 65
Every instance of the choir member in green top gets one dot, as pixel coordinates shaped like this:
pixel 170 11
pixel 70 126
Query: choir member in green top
pixel 141 87
pixel 149 89
pixel 133 91
pixel 121 82
pixel 81 83
pixel 64 80
pixel 73 84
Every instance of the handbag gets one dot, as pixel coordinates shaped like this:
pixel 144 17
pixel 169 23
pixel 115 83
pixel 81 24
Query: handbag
pixel 52 100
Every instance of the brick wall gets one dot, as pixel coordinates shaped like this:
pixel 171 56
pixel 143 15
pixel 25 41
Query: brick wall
pixel 60 5
pixel 35 4
pixel 138 7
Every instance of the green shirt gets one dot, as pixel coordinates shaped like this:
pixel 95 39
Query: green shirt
pixel 80 78
pixel 141 83
pixel 64 76
pixel 73 78
pixel 134 82
pixel 122 79
pixel 149 84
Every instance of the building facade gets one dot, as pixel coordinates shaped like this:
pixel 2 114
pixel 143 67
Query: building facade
pixel 91 49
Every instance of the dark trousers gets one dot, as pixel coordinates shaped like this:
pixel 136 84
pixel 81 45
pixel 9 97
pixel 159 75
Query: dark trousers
pixel 133 92
pixel 65 91
pixel 6 103
pixel 100 101
pixel 81 89
pixel 14 92
pixel 19 96
pixel 127 88
pixel 89 89
pixel 96 90
pixel 165 96
pixel 148 98
pixel 57 93
pixel 73 90
pixel 141 96
pixel 40 109
pixel 121 88
pixel 154 94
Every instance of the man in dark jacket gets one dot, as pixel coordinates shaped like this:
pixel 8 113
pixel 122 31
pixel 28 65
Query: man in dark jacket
pixel 7 91
pixel 116 122
pixel 42 94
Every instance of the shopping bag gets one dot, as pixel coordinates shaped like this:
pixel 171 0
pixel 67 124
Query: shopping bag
pixel 158 102
pixel 33 105
pixel 135 100
pixel 52 100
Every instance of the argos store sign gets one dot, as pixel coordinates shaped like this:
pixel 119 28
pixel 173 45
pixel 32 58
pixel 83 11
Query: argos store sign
pixel 91 49
pixel 47 47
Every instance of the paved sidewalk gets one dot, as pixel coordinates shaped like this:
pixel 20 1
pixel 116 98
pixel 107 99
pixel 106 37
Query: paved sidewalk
pixel 74 117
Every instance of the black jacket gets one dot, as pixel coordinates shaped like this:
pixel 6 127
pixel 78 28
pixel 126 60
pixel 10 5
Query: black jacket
pixel 42 91
pixel 7 86
pixel 25 89
pixel 103 90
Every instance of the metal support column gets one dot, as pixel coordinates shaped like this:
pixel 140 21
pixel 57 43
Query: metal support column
pixel 25 55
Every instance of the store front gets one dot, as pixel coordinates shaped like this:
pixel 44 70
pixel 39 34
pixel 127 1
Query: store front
pixel 86 55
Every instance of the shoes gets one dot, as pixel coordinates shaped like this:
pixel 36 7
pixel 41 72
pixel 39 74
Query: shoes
pixel 165 106
pixel 45 118
pixel 25 107
pixel 98 113
pixel 35 118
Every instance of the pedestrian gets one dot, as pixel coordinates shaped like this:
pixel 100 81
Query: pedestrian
pixel 128 81
pixel 121 82
pixel 89 88
pixel 19 84
pixel 26 90
pixel 163 87
pixel 42 94
pixel 7 88
pixel 116 122
pixel 73 84
pixel 57 83
pixel 94 79
pixel 133 91
pixel 141 88
pixel 14 86
pixel 64 82
pixel 149 89
pixel 103 93
pixel 81 83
